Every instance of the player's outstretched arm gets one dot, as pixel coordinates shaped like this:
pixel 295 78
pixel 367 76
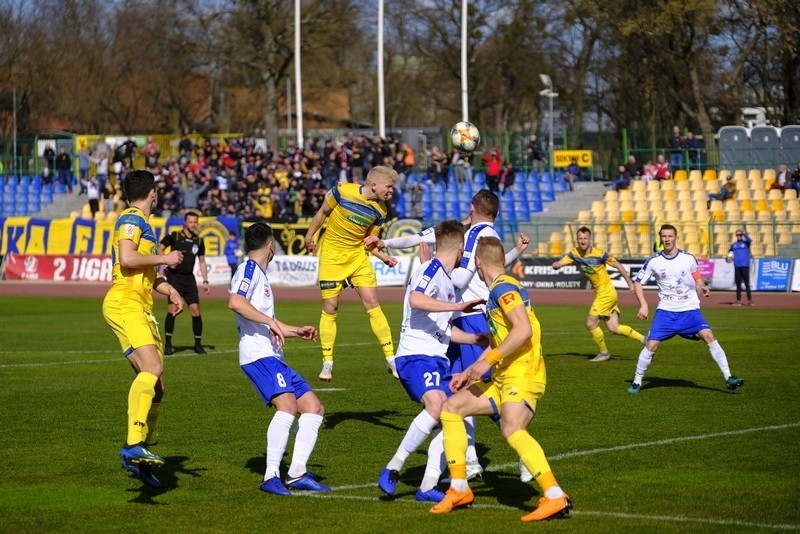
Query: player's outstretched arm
pixel 644 310
pixel 391 261
pixel 130 258
pixel 315 225
pixel 522 243
pixel 303 332
pixel 623 272
pixel 239 304
pixel 162 286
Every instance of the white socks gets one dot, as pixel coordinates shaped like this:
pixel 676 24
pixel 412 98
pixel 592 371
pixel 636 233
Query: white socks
pixel 420 428
pixel 436 462
pixel 645 357
pixel 307 432
pixel 472 454
pixel 719 356
pixel 277 437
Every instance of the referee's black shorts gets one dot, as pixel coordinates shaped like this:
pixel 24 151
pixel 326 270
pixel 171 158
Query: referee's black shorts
pixel 185 285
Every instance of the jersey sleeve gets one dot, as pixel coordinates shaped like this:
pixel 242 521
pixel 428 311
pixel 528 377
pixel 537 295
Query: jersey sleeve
pixel 507 297
pixel 168 240
pixel 242 282
pixel 427 283
pixel 129 227
pixel 333 197
pixel 201 249
pixel 645 272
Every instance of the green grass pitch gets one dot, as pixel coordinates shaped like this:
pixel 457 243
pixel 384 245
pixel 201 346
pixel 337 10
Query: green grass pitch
pixel 685 454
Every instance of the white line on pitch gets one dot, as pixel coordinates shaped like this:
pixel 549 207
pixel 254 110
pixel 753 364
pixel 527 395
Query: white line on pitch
pixel 669 441
pixel 620 515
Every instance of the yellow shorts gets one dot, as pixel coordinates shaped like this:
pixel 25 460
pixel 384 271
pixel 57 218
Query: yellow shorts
pixel 604 304
pixel 512 388
pixel 133 326
pixel 336 266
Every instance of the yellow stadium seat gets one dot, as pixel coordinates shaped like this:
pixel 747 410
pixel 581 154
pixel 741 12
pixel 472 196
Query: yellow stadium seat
pixel 742 194
pixel 684 194
pixel 584 216
pixel 667 185
pixel 680 175
pixel 699 195
pixel 762 205
pixel 748 216
pixel 753 174
pixel 112 216
pixel 682 185
pixel 746 205
pixel 756 183
pixel 769 174
pixel 710 175
pixel 779 215
pixel 769 249
pixel 638 185
pixel 625 194
pixel 671 205
pixel 74 214
pixel 764 216
pixel 557 249
pixel 713 187
pixel 759 194
pixel 697 185
pixel 668 194
pixel 611 195
pixel 774 194
pixel 695 174
pixel 784 235
pixel 653 185
pixel 639 195
pixel 740 174
pixel 790 194
pixel 543 248
pixel 792 204
pixel 776 204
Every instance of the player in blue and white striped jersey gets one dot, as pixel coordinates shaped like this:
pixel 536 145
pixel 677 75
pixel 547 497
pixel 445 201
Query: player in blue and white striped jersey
pixel 421 358
pixel 678 312
pixel 261 339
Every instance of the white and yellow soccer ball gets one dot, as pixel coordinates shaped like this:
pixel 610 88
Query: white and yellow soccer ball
pixel 465 136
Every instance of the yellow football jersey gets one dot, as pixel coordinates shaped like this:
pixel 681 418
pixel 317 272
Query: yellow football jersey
pixel 353 217
pixel 133 285
pixel 593 266
pixel 505 294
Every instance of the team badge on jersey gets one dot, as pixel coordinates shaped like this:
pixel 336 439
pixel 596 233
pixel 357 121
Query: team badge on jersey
pixel 244 286
pixel 195 249
pixel 129 230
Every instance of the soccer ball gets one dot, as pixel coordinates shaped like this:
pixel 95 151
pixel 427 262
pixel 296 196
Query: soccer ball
pixel 465 136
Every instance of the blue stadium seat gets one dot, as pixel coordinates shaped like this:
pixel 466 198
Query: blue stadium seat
pixel 25 181
pixel 453 209
pixel 536 205
pixel 8 209
pixel 60 189
pixel 401 205
pixel 480 180
pixel 37 180
pixel 547 188
pixel 466 189
pixel 47 194
pixel 34 205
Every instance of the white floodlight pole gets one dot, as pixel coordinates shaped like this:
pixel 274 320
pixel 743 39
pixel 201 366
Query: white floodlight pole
pixel 381 104
pixel 298 79
pixel 464 84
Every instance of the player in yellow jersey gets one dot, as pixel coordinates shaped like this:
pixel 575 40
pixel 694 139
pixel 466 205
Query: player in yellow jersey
pixel 518 382
pixel 128 310
pixel 353 211
pixel 592 261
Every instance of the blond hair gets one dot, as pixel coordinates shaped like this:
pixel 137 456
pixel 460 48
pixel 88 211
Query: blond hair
pixel 381 170
pixel 490 251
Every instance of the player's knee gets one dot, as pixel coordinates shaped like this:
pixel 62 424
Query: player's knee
pixel 509 429
pixel 316 409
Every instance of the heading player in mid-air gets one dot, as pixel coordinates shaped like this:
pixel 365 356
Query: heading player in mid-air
pixel 353 211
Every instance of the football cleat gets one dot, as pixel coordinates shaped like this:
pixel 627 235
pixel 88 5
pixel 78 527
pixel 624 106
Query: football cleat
pixel 474 470
pixel 432 495
pixel 198 349
pixel 306 482
pixel 634 389
pixel 275 486
pixel 136 454
pixel 326 375
pixel 734 382
pixel 549 509
pixel 601 357
pixel 168 350
pixel 524 474
pixel 391 367
pixel 144 473
pixel 453 499
pixel 387 481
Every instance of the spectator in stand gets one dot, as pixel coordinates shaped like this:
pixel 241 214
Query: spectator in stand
pixel 49 156
pixel 650 171
pixel 93 194
pixel 494 162
pixel 64 168
pixel 83 167
pixel 129 148
pixel 693 146
pixel 185 147
pixel 417 211
pixel 634 168
pixel 457 162
pixel 437 165
pixel 794 181
pixel 675 145
pixel 573 173
pixel 662 168
pixel 232 251
pixel 739 254
pixel 535 152
pixel 782 178
pixel 151 153
pixel 507 179
pixel 108 193
pixel 623 179
pixel 101 171
pixel 728 190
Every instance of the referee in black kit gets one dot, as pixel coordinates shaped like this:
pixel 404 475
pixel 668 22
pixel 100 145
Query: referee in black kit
pixel 182 277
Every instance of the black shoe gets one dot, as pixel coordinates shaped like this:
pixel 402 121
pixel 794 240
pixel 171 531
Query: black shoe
pixel 168 349
pixel 199 349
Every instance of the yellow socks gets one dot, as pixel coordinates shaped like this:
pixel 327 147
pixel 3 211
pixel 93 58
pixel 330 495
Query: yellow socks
pixel 152 418
pixel 380 326
pixel 630 333
pixel 455 444
pixel 327 335
pixel 532 456
pixel 599 338
pixel 140 399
